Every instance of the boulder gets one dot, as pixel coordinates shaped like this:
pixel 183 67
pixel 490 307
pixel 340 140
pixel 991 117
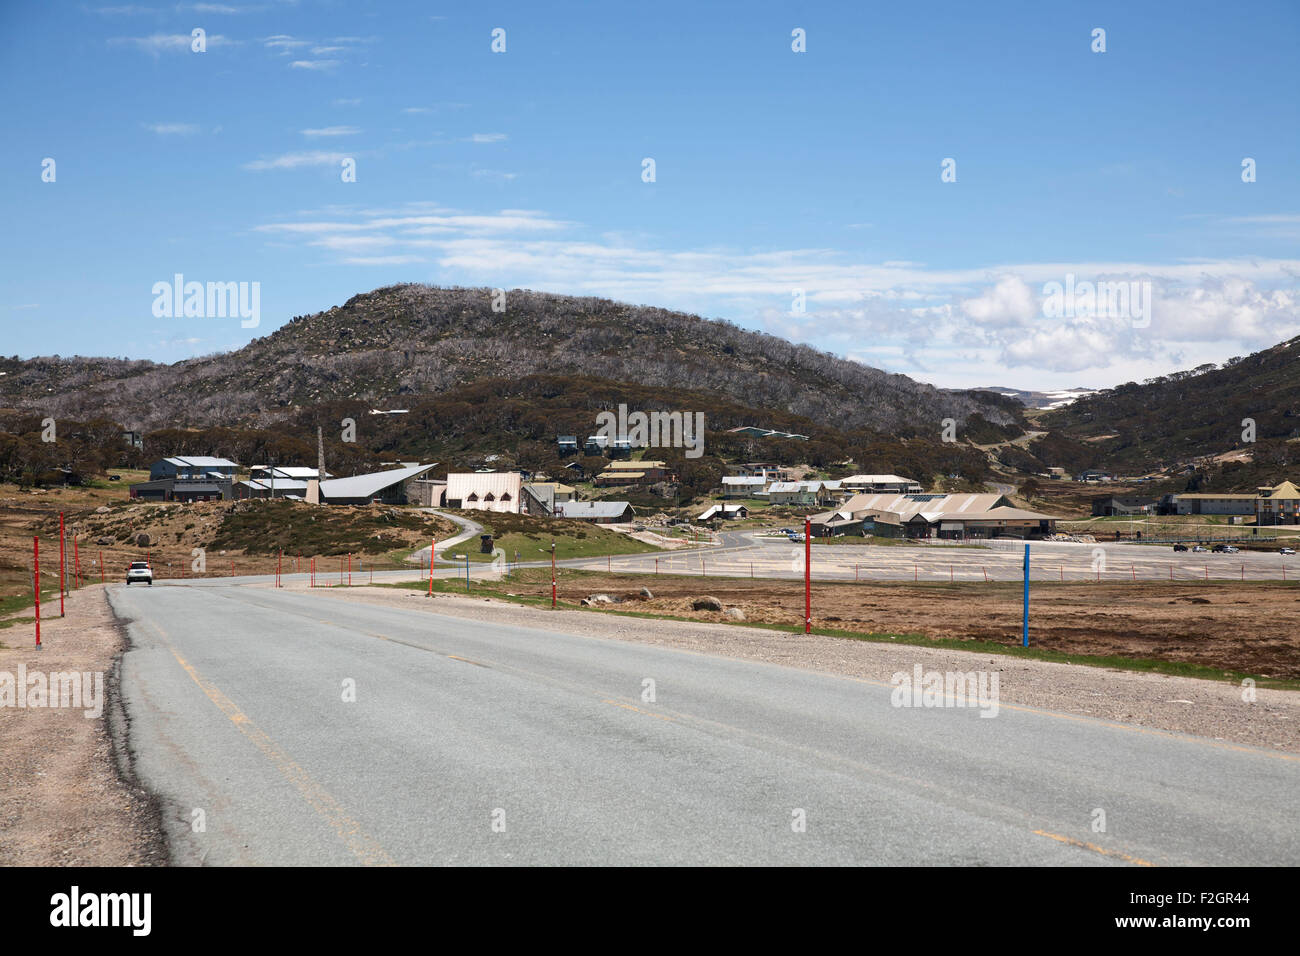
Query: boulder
pixel 105 542
pixel 142 540
pixel 735 614
pixel 102 510
pixel 706 604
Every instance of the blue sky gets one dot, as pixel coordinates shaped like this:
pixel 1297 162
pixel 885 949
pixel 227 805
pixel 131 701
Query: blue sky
pixel 775 171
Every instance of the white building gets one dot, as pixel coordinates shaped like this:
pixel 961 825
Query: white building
pixel 485 491
pixel 882 484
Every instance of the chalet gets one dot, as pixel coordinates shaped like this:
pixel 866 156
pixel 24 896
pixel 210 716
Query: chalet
pixel 1279 504
pixel 485 491
pixel 567 445
pixel 725 512
pixel 882 484
pixel 793 492
pixel 634 473
pixel 1092 475
pixel 740 486
pixel 599 512
pixel 763 469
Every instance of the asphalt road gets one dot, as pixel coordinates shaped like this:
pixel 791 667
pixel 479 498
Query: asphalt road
pixel 470 743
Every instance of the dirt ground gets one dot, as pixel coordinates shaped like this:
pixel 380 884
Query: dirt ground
pixel 66 795
pixel 1251 628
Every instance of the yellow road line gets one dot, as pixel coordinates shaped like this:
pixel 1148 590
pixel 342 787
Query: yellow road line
pixel 1070 841
pixel 648 713
pixel 363 846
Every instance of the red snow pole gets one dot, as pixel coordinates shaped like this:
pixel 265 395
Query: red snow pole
pixel 60 564
pixel 36 568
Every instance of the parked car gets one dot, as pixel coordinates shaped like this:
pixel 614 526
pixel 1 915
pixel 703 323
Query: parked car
pixel 1198 547
pixel 1287 551
pixel 1180 547
pixel 139 571
pixel 1219 549
pixel 1230 549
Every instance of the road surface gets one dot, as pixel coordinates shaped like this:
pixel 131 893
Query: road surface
pixel 472 743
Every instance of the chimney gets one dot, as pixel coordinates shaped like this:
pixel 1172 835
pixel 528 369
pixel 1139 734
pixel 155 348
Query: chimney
pixel 320 455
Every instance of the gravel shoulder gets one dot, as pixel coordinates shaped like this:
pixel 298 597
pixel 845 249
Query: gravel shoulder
pixel 67 796
pixel 1152 701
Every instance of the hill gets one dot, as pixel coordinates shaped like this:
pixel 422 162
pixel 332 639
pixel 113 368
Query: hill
pixel 387 347
pixel 1196 419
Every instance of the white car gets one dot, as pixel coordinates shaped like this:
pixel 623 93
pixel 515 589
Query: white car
pixel 138 572
pixel 1287 551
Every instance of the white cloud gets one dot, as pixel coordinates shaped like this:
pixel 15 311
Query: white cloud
pixel 956 327
pixel 158 43
pixel 172 129
pixel 298 160
pixel 487 138
pixel 332 131
pixel 1009 303
pixel 313 64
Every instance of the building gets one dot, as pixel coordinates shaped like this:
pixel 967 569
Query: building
pixel 192 478
pixel 1212 504
pixel 880 524
pixel 1110 505
pixel 285 473
pixel 799 493
pixel 725 512
pixel 763 469
pixel 634 473
pixel 395 486
pixel 742 486
pixel 882 484
pixel 183 489
pixel 193 468
pixel 600 512
pixel 266 488
pixel 1092 475
pixel 428 493
pixel 133 439
pixel 958 515
pixel 1279 504
pixel 485 491
pixel 567 445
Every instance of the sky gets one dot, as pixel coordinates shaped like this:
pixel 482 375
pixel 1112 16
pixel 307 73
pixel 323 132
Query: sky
pixel 925 188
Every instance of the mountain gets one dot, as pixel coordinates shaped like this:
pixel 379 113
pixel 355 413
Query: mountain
pixel 1193 416
pixel 1058 398
pixel 397 343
